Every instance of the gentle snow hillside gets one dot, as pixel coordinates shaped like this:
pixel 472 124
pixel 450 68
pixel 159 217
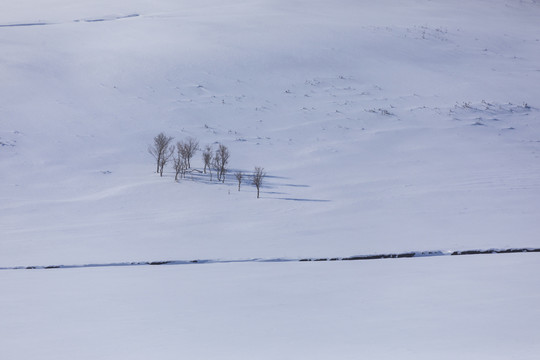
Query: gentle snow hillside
pixel 383 127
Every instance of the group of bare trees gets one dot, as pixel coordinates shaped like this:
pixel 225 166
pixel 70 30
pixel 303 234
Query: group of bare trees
pixel 181 154
pixel 161 151
pixel 185 150
pixel 220 161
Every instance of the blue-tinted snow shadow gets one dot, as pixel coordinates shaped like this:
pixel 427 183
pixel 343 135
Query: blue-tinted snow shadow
pixel 269 188
pixel 296 185
pixel 269 178
pixel 306 200
pixel 107 18
pixel 230 179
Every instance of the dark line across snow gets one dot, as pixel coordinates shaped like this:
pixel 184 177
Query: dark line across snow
pixel 27 24
pixel 413 254
pixel 92 20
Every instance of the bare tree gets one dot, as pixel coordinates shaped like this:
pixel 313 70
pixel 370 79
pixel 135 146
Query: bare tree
pixel 221 159
pixel 239 175
pixel 207 158
pixel 158 150
pixel 258 177
pixel 181 149
pixel 167 153
pixel 179 161
pixel 191 146
pixel 216 164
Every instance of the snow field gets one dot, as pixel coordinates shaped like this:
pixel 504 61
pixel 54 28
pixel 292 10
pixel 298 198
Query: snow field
pixel 384 127
pixel 466 307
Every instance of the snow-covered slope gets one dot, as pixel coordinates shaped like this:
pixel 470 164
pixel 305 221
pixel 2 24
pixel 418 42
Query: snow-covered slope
pixel 382 126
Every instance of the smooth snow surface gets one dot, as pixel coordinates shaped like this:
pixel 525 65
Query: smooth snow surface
pixel 470 308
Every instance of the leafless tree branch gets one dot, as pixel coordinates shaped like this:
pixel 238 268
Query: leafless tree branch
pixel 158 150
pixel 258 177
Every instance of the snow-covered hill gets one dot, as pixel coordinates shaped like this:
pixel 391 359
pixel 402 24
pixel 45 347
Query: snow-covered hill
pixel 383 126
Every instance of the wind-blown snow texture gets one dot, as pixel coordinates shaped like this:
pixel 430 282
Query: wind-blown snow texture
pixel 383 126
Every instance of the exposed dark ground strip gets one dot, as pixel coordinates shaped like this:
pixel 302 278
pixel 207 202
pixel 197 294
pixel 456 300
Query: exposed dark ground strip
pixel 276 260
pixel 27 24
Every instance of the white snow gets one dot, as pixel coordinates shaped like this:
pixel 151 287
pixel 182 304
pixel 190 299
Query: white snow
pixel 468 307
pixel 383 126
